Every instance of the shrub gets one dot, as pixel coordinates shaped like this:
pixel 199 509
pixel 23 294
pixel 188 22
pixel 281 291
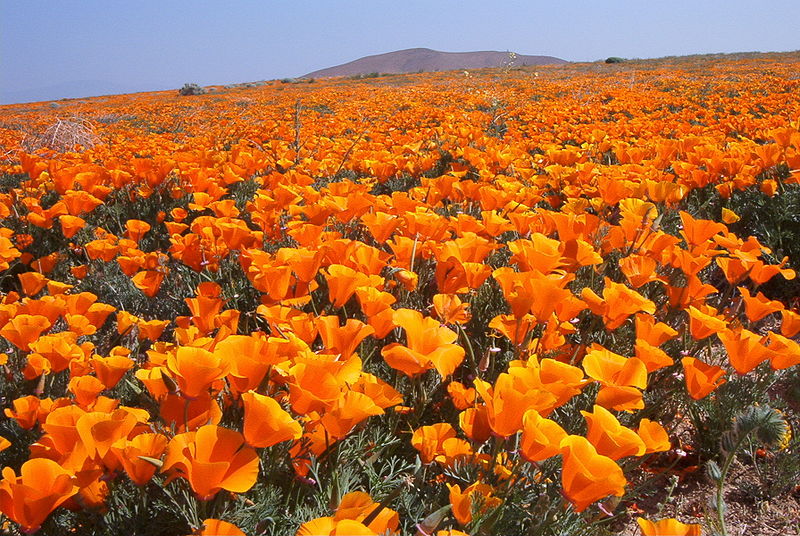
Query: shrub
pixel 191 89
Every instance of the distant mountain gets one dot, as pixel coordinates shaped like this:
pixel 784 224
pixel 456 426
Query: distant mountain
pixel 414 60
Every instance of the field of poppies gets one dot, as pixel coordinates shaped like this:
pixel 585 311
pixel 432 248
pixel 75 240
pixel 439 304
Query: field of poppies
pixel 553 300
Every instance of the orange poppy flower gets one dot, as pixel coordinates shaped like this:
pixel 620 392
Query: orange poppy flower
pixel 130 453
pixel 110 370
pixel 621 378
pixel 98 431
pixel 541 437
pixel 357 506
pixel 211 459
pixel 744 348
pixel 32 282
pixel 586 476
pixel 617 304
pixel 23 329
pixel 667 527
pixel 148 281
pixel 346 412
pixel 342 340
pixel 429 345
pixel 652 332
pixel 462 397
pixel 609 437
pixel 704 322
pixel 790 323
pixel 654 436
pixel 189 414
pixel 653 357
pixel 701 378
pixel 195 369
pixel 217 527
pixel 41 487
pixel 783 352
pixel 462 501
pixel 450 310
pixel 266 423
pixel 343 281
pixel 758 306
pixel 475 423
pixel 429 440
pixel 327 526
pixel 86 389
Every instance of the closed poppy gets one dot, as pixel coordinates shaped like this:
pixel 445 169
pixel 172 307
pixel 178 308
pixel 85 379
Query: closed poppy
pixel 586 476
pixel 211 459
pixel 42 486
pixel 474 422
pixel 266 423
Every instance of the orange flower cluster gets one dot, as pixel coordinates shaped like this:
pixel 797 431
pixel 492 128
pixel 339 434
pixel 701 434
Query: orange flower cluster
pixel 271 278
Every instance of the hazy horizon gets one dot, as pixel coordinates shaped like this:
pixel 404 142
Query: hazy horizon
pixel 88 48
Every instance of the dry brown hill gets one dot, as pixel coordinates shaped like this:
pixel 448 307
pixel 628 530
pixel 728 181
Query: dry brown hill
pixel 414 60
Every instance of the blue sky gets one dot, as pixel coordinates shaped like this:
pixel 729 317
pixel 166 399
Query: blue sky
pixel 67 48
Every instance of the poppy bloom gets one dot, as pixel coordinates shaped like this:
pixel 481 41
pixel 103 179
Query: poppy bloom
pixel 130 453
pixel 621 378
pixel 266 423
pixel 609 437
pixel 541 437
pixel 195 369
pixel 701 378
pixel 211 459
pixel 23 329
pixel 41 487
pixel 429 345
pixel 667 527
pixel 586 476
